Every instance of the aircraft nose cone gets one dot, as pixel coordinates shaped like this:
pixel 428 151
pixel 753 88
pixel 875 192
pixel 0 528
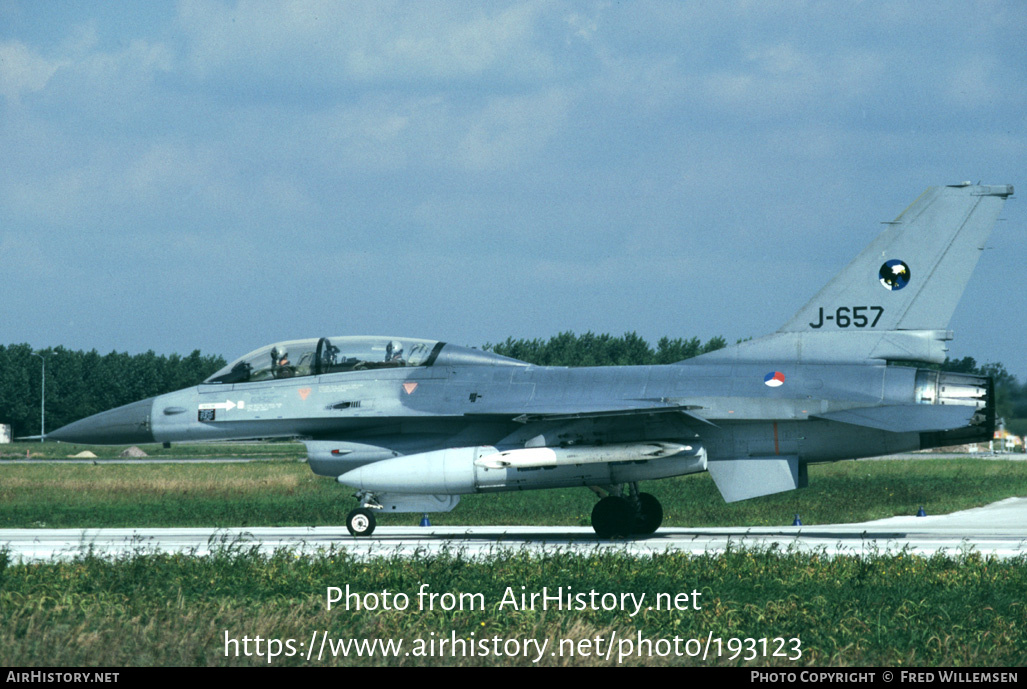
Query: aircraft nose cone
pixel 127 425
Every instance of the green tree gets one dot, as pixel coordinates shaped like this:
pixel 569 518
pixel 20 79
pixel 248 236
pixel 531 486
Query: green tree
pixel 568 349
pixel 79 384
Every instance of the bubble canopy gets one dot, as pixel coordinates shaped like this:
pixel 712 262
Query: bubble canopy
pixel 318 356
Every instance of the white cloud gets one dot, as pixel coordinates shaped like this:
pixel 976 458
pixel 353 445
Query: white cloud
pixel 510 129
pixel 23 71
pixel 333 43
pixel 432 141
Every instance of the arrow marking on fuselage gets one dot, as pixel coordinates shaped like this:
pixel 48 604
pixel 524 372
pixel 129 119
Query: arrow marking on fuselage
pixel 228 404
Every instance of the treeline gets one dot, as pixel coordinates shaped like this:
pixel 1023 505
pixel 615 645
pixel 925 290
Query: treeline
pixel 82 383
pixel 568 349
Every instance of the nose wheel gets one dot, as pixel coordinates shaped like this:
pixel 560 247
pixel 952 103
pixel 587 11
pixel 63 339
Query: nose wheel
pixel 360 522
pixel 616 516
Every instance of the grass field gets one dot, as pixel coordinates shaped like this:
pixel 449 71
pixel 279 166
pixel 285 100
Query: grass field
pixel 286 493
pixel 178 610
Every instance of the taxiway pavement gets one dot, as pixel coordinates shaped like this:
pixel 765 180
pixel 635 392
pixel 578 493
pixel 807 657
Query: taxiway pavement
pixel 999 530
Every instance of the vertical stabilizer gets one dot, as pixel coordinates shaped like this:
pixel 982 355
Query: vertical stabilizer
pixel 895 300
pixel 912 276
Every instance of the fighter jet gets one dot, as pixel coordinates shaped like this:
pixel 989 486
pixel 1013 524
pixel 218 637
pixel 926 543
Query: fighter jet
pixel 413 424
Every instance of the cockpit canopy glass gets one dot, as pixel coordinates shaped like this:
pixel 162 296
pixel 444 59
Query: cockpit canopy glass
pixel 323 355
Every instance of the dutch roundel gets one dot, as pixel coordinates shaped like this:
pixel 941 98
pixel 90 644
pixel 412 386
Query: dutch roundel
pixel 774 379
pixel 894 275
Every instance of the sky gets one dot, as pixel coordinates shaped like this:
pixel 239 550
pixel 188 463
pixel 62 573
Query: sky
pixel 220 175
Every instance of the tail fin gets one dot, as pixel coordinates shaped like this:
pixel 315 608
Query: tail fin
pixel 912 276
pixel 895 300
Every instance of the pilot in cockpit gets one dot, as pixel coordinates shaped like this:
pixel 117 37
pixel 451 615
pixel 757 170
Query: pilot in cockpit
pixel 394 354
pixel 280 366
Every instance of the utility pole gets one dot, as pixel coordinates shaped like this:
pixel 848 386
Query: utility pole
pixel 42 400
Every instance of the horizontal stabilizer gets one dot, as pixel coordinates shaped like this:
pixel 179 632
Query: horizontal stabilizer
pixel 910 418
pixel 741 479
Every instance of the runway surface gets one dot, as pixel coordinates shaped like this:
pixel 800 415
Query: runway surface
pixel 998 530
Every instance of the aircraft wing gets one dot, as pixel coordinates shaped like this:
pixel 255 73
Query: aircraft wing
pixel 687 410
pixel 604 425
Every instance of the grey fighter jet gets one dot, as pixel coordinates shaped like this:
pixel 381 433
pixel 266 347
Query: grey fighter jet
pixel 413 424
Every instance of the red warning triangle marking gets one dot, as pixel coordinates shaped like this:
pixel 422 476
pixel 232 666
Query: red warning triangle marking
pixel 303 393
pixel 409 387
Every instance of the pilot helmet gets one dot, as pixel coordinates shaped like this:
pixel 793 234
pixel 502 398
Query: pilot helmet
pixel 394 350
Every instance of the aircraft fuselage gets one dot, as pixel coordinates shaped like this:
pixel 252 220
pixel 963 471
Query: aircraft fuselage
pixel 470 398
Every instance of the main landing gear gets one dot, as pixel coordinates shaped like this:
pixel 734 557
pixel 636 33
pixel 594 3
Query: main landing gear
pixel 637 514
pixel 615 515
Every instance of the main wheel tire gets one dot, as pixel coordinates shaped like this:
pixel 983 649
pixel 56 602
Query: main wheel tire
pixel 650 514
pixel 361 522
pixel 613 516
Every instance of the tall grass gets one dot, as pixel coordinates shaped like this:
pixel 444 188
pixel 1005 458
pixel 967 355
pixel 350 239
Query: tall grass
pixel 157 609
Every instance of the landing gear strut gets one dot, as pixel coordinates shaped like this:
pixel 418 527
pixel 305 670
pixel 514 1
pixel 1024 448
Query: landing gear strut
pixel 637 514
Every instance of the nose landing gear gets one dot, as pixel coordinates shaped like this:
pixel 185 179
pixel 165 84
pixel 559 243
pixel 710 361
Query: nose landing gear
pixel 360 522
